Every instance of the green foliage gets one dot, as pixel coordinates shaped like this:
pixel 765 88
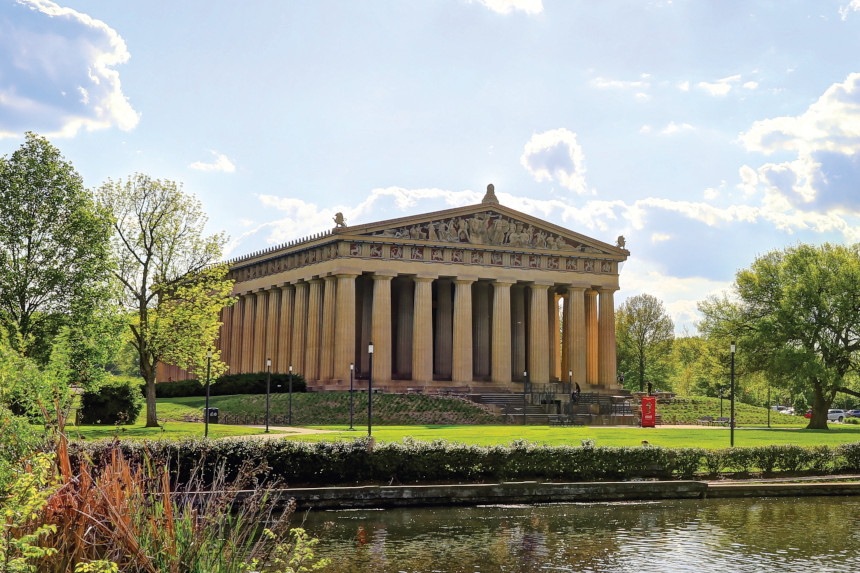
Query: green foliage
pixel 178 389
pixel 413 461
pixel 20 531
pixel 644 332
pixel 53 248
pixel 115 402
pixel 171 286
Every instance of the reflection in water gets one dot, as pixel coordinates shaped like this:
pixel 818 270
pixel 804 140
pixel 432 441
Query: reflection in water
pixel 774 534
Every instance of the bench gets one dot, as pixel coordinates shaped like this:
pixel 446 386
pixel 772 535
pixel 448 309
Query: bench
pixel 721 422
pixel 705 421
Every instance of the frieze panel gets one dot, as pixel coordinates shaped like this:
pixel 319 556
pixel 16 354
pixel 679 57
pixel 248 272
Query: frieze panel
pixel 516 260
pixel 496 258
pixel 605 267
pixel 355 249
pixel 552 263
pixel 571 265
pixel 486 229
pixel 457 256
pixel 376 251
pixel 437 255
pixel 534 262
pixel 417 253
pixel 588 266
pixel 477 258
pixel 396 252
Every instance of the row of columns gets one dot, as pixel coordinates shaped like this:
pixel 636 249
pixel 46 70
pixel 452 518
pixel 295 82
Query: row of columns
pixel 493 330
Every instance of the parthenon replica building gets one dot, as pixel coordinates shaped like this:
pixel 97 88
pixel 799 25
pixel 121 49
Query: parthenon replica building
pixel 480 296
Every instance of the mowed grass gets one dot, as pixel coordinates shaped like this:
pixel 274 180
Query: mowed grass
pixel 708 438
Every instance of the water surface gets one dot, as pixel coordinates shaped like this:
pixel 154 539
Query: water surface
pixel 749 535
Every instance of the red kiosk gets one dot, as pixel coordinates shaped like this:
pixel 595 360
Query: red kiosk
pixel 649 411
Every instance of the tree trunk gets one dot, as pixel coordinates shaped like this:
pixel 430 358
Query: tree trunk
pixel 820 405
pixel 148 371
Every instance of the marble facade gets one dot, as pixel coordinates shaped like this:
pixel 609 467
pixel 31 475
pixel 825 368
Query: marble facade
pixel 474 296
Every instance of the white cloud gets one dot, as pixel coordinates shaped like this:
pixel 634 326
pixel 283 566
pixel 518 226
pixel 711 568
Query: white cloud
pixel 660 237
pixel 751 85
pixel 684 86
pixel 52 51
pixel 221 163
pixel 645 129
pixel 720 87
pixel 556 156
pixel 675 128
pixel 508 6
pixel 832 123
pixel 603 83
pixel 853 6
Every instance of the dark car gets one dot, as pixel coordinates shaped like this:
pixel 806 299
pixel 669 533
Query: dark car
pixel 853 413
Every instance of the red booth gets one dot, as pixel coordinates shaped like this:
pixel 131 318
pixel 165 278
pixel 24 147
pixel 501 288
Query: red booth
pixel 649 411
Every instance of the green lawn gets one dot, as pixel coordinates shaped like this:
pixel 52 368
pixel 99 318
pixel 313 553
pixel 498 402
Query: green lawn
pixel 171 430
pixel 710 438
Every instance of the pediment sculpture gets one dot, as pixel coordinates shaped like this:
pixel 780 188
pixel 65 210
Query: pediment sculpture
pixel 486 229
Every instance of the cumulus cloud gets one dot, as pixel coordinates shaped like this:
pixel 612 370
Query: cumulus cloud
pixel 853 6
pixel 556 156
pixel 508 6
pixel 60 72
pixel 675 128
pixel 825 140
pixel 720 87
pixel 221 163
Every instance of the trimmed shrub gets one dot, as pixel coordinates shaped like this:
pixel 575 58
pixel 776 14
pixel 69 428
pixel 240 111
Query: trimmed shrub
pixel 115 402
pixel 179 389
pixel 255 383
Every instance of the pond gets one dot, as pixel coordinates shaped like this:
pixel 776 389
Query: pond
pixel 744 535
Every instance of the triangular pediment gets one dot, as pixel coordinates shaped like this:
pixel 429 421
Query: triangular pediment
pixel 493 226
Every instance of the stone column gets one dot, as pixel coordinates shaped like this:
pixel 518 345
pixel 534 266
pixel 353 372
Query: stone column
pixel 518 331
pixel 344 336
pixel 262 303
pixel 405 308
pixel 606 344
pixel 461 367
pixel 553 334
pixel 248 322
pixel 565 338
pixel 381 328
pixel 577 340
pixel 285 328
pixel 501 367
pixel 328 328
pixel 591 374
pixel 366 325
pixel 444 329
pixel 314 326
pixel 236 336
pixel 538 366
pixel 226 330
pixel 300 325
pixel 422 331
pixel 272 327
pixel 481 329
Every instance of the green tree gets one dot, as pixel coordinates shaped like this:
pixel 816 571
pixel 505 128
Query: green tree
pixel 171 285
pixel 644 332
pixel 54 249
pixel 797 320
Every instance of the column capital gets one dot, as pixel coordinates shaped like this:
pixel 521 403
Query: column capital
pixel 315 280
pixel 504 282
pixel 578 287
pixel 463 281
pixel 383 276
pixel 603 289
pixel 540 285
pixel 420 279
pixel 346 275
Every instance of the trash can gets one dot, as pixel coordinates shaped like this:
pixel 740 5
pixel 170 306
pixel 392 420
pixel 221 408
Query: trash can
pixel 212 415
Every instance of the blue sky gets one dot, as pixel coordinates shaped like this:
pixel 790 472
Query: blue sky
pixel 706 133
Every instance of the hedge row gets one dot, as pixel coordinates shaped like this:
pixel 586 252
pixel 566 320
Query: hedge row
pixel 338 463
pixel 249 383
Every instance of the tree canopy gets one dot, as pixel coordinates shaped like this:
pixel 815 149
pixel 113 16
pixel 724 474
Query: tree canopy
pixel 644 332
pixel 171 284
pixel 797 319
pixel 54 249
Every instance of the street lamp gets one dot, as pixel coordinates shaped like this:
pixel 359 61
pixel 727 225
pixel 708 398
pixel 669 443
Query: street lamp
pixel 721 401
pixel 525 387
pixel 290 422
pixel 351 395
pixel 769 407
pixel 732 420
pixel 370 391
pixel 268 389
pixel 206 410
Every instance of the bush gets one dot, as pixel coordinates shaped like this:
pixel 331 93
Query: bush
pixel 178 389
pixel 115 402
pixel 249 383
pixel 255 383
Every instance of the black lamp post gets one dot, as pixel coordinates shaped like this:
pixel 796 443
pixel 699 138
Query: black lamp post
pixel 525 388
pixel 569 381
pixel 769 407
pixel 268 389
pixel 732 421
pixel 370 391
pixel 721 401
pixel 206 410
pixel 291 395
pixel 351 395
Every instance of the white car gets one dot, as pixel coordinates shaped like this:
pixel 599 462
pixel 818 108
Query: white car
pixel 836 415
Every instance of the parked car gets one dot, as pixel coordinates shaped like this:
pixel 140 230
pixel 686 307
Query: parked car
pixel 854 413
pixel 834 415
pixel 808 414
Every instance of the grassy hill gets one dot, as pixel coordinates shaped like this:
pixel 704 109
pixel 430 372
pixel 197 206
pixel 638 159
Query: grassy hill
pixel 332 408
